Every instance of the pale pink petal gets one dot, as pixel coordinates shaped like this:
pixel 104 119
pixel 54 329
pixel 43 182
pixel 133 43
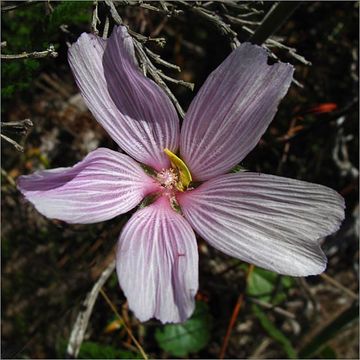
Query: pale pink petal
pixel 232 110
pixel 272 222
pixel 157 264
pixel 100 187
pixel 131 108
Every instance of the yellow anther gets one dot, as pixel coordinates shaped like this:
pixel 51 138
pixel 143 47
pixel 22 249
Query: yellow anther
pixel 184 172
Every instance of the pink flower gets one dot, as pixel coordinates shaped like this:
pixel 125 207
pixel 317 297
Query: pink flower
pixel 272 222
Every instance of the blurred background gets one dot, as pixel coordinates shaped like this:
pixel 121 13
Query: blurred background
pixel 49 267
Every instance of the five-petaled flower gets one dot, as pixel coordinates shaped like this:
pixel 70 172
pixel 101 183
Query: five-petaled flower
pixel 272 222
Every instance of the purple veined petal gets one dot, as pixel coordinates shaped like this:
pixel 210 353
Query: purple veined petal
pixel 100 187
pixel 269 221
pixel 150 117
pixel 157 264
pixel 132 109
pixel 231 111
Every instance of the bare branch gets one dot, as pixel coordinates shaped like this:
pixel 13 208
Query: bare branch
pixel 145 63
pixel 163 5
pixel 22 127
pixel 20 4
pixel 213 18
pixel 106 28
pixel 49 8
pixel 160 61
pixel 50 52
pixel 269 43
pixel 82 320
pixel 10 179
pixel 95 18
pixel 144 39
pixel 141 38
pixel 273 20
pixel 186 84
pixel 164 8
pixel 148 66
pixel 150 7
pixel 251 13
pixel 13 143
pixel 242 7
pixel 238 20
pixel 115 15
pixel 340 155
pixel 291 51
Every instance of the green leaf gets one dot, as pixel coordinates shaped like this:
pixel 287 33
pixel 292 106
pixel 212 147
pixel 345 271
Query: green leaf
pixel 189 337
pixel 287 282
pixel 328 353
pixel 328 332
pixel 274 332
pixel 237 168
pixel 7 91
pixel 261 284
pixel 93 350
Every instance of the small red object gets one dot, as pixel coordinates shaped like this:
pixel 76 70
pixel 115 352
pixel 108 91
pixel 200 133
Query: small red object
pixel 322 108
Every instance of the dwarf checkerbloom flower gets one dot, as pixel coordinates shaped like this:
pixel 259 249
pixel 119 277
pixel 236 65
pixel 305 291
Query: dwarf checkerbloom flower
pixel 272 222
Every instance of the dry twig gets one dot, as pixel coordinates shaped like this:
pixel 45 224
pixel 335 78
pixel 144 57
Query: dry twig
pixel 275 308
pixel 240 21
pixel 340 152
pixel 21 127
pixel 234 315
pixel 271 43
pixel 273 20
pixel 160 61
pixel 113 308
pixel 188 85
pixel 12 142
pixel 95 18
pixel 335 283
pixel 145 63
pixel 216 20
pixel 82 320
pixel 10 179
pixel 20 4
pixel 50 52
pixel 106 28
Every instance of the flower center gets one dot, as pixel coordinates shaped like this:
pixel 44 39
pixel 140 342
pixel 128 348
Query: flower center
pixel 168 178
pixel 178 177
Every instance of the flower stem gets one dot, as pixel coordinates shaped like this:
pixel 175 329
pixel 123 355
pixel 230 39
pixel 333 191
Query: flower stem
pixel 113 308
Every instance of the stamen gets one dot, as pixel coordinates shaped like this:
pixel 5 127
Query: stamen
pixel 168 178
pixel 183 170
